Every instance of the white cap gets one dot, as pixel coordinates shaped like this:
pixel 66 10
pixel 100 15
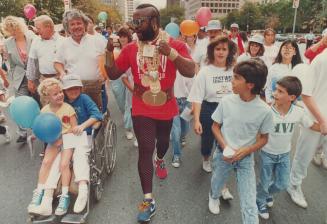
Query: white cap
pixel 69 81
pixel 214 25
pixel 234 25
pixel 257 39
pixel 324 32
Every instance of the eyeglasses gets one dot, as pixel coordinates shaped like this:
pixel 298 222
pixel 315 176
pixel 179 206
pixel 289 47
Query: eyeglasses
pixel 288 48
pixel 139 21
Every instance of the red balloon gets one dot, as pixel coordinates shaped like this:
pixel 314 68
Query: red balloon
pixel 189 27
pixel 203 16
pixel 29 11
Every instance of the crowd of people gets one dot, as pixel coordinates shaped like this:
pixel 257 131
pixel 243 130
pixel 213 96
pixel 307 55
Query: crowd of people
pixel 243 96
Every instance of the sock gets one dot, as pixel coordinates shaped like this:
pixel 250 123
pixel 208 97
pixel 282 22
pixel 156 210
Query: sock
pixel 64 190
pixel 40 187
pixel 48 193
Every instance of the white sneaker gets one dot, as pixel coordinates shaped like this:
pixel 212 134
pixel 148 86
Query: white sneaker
pixel 7 134
pixel 214 205
pixel 129 135
pixel 297 195
pixel 81 201
pixel 44 209
pixel 317 160
pixel 206 166
pixel 135 143
pixel 226 195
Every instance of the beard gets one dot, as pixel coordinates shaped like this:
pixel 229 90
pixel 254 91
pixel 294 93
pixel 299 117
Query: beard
pixel 148 34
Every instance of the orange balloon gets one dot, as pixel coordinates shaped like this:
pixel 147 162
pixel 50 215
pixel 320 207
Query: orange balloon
pixel 189 27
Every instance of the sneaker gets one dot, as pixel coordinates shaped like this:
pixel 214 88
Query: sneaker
pixel 129 135
pixel 45 208
pixel 36 199
pixel 206 166
pixel 226 195
pixel 324 163
pixel 270 202
pixel 21 139
pixel 214 205
pixel 317 160
pixel 135 143
pixel 63 205
pixel 161 170
pixel 297 196
pixel 81 201
pixel 7 134
pixel 263 211
pixel 176 162
pixel 183 141
pixel 147 209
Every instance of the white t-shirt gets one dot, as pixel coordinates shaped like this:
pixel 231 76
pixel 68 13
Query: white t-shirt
pixel 200 51
pixel 271 54
pixel 102 39
pixel 315 83
pixel 44 51
pixel 275 73
pixel 242 121
pixel 81 58
pixel 182 85
pixel 211 84
pixel 246 56
pixel 279 141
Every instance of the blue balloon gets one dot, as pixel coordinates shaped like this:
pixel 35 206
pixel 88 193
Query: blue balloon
pixel 47 127
pixel 23 110
pixel 172 29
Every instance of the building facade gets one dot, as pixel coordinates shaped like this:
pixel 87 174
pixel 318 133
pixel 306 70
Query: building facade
pixel 124 7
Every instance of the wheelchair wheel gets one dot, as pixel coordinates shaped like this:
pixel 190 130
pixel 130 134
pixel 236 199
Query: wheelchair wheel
pixel 110 146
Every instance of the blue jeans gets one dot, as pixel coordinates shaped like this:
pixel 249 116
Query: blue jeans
pixel 245 177
pixel 274 175
pixel 118 89
pixel 180 127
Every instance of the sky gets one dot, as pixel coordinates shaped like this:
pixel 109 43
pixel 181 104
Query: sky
pixel 158 3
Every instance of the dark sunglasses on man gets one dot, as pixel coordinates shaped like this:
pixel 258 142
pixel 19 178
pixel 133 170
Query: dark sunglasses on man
pixel 138 22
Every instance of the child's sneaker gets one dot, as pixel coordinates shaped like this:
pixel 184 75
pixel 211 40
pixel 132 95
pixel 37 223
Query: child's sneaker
pixel 147 209
pixel 7 134
pixel 176 161
pixel 214 205
pixel 226 195
pixel 81 201
pixel 206 166
pixel 36 200
pixel 45 208
pixel 270 202
pixel 263 211
pixel 297 196
pixel 161 170
pixel 63 205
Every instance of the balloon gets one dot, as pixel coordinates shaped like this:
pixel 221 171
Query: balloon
pixel 189 27
pixel 47 127
pixel 29 11
pixel 203 16
pixel 102 16
pixel 172 29
pixel 23 110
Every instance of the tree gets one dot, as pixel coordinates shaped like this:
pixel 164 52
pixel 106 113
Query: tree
pixel 174 11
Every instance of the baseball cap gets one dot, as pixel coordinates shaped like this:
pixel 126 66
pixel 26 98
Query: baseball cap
pixel 214 25
pixel 69 81
pixel 234 25
pixel 257 39
pixel 324 32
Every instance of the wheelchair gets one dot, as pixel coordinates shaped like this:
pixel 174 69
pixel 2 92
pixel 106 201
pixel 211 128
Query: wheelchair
pixel 102 160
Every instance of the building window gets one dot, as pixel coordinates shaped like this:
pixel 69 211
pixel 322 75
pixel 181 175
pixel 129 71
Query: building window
pixel 220 11
pixel 202 4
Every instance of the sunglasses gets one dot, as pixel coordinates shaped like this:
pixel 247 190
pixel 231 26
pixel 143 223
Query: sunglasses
pixel 139 21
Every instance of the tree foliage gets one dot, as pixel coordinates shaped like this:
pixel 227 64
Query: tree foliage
pixel 175 11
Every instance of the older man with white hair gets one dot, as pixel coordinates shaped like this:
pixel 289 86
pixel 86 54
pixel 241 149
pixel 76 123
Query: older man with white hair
pixel 42 52
pixel 82 54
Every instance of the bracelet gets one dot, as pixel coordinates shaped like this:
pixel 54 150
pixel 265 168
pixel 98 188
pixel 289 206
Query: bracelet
pixel 173 54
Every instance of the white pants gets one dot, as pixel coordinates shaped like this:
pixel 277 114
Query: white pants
pixel 81 167
pixel 306 147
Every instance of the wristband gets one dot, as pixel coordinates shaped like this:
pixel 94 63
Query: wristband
pixel 173 54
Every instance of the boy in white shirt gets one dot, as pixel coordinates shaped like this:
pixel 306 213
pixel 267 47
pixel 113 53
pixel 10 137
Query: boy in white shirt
pixel 275 155
pixel 242 122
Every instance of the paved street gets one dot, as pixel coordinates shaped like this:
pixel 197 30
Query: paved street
pixel 181 199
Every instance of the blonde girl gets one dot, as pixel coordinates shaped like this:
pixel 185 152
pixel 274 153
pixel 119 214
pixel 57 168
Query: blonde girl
pixel 51 90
